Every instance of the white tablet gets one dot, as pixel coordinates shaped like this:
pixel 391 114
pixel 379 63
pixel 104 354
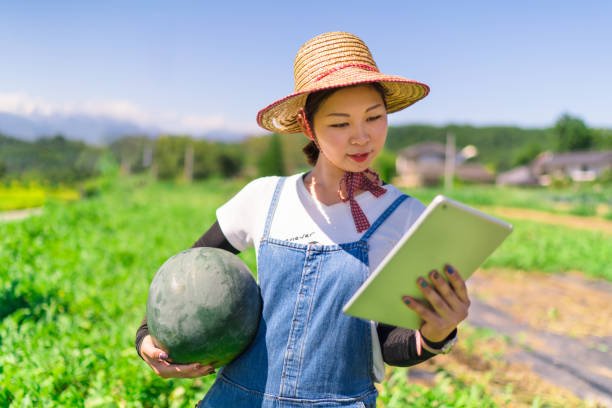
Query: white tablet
pixel 446 232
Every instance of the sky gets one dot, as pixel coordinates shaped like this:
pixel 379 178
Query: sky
pixel 200 65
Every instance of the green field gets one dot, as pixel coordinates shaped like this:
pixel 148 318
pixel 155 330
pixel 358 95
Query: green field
pixel 74 281
pixel 587 200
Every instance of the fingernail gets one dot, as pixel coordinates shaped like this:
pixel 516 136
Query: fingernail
pixel 163 356
pixel 434 274
pixel 423 283
pixel 406 300
pixel 450 269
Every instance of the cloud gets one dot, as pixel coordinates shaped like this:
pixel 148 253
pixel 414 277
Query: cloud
pixel 21 103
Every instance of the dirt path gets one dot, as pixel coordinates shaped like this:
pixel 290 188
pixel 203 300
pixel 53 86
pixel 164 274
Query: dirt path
pixel 17 215
pixel 556 338
pixel 571 221
pixel 562 326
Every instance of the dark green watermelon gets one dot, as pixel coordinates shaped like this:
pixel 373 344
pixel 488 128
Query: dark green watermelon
pixel 204 306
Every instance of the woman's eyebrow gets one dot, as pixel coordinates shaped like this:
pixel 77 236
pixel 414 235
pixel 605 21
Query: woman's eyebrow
pixel 373 107
pixel 347 115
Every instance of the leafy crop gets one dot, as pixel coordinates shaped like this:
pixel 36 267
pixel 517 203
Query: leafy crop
pixel 74 281
pixel 550 248
pixel 73 290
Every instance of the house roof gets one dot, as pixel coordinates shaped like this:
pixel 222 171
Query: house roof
pixel 517 176
pixel 474 172
pixel 547 161
pixel 422 149
pixel 586 157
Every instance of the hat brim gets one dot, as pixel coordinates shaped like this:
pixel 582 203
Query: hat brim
pixel 400 92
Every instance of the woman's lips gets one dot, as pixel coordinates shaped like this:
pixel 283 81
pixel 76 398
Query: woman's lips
pixel 359 157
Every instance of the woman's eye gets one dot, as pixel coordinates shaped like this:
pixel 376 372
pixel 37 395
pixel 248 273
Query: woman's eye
pixel 339 125
pixel 373 118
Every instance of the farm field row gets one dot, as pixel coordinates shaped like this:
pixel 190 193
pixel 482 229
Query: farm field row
pixel 581 200
pixel 17 196
pixel 74 282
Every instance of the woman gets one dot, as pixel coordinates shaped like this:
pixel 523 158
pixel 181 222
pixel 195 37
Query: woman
pixel 317 237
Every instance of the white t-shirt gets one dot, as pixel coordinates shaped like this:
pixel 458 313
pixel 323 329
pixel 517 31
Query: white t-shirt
pixel 300 218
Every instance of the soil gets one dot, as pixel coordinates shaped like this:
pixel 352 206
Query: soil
pixel 546 335
pixel 18 215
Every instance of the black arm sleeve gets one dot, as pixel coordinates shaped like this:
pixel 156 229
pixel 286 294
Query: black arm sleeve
pixel 212 238
pixel 399 348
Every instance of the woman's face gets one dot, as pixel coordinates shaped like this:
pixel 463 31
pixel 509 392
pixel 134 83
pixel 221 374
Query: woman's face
pixel 351 128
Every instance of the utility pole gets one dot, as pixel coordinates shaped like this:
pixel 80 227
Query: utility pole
pixel 147 155
pixel 188 171
pixel 449 162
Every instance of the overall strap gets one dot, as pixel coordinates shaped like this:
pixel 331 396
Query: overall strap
pixel 383 217
pixel 273 204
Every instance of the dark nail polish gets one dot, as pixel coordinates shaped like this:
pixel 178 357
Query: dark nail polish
pixel 424 283
pixel 450 269
pixel 435 275
pixel 406 300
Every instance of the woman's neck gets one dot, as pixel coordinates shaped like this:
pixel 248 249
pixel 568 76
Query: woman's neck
pixel 323 182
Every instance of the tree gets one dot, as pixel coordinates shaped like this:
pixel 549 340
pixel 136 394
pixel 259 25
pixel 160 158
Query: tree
pixel 132 153
pixel 169 156
pixel 205 159
pixel 573 134
pixel 384 165
pixel 527 153
pixel 230 160
pixel 271 162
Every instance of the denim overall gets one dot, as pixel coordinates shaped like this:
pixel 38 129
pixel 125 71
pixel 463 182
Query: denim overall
pixel 306 353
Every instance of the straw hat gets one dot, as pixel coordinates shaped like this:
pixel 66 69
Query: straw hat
pixel 334 60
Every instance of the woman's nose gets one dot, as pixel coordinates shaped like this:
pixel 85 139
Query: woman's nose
pixel 360 137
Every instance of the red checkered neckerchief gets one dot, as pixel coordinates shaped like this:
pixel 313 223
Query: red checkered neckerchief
pixel 360 181
pixel 352 182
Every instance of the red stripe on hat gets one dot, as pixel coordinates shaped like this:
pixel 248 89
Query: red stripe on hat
pixel 339 67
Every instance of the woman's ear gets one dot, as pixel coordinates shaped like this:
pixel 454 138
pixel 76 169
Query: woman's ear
pixel 304 125
pixel 301 120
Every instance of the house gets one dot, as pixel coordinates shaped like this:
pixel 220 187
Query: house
pixel 423 165
pixel 518 176
pixel 577 166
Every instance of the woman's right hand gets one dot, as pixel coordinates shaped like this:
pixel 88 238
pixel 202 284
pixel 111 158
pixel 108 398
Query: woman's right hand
pixel 163 366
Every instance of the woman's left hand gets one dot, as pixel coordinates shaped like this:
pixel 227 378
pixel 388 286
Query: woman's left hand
pixel 449 304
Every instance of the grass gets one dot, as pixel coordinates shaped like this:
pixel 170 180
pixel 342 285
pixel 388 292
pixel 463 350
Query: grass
pixel 448 392
pixel 578 199
pixel 538 246
pixel 554 249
